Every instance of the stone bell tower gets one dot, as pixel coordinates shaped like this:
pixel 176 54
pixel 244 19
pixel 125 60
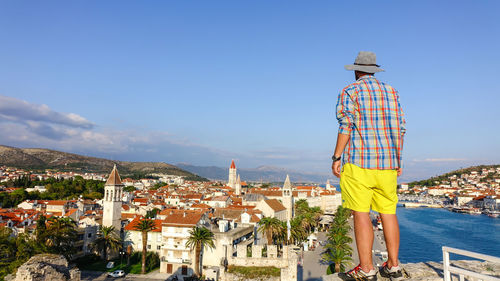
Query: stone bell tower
pixel 232 175
pixel 112 201
pixel 287 198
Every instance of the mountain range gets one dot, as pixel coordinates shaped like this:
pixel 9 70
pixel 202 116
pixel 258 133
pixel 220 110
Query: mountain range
pixel 41 159
pixel 262 173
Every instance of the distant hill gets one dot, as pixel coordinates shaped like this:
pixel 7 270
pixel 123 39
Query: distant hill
pixel 431 181
pixel 262 173
pixel 41 159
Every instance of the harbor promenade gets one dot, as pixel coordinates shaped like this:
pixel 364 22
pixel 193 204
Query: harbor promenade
pixel 379 249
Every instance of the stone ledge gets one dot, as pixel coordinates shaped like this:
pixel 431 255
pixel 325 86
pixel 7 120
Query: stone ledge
pixel 46 267
pixel 433 271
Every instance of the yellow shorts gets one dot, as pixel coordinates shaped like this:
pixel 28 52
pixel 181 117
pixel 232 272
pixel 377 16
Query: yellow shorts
pixel 363 189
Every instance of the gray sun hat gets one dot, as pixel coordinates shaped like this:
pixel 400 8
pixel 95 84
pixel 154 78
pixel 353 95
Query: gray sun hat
pixel 366 62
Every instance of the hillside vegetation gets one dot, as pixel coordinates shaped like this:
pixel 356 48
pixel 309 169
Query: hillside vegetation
pixel 444 177
pixel 40 159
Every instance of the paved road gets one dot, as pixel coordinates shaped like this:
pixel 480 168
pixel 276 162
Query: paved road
pixel 313 267
pixel 100 276
pixel 378 246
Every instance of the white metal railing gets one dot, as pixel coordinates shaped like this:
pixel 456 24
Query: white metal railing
pixel 449 269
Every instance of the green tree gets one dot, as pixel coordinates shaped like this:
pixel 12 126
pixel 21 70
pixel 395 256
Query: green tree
pixel 129 188
pixel 199 238
pixel 7 246
pixel 144 226
pixel 271 228
pixel 60 235
pixel 41 228
pixel 151 214
pixel 338 249
pixel 301 207
pixel 297 233
pixel 106 240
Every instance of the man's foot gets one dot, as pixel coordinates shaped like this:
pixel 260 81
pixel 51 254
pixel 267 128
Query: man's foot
pixel 394 273
pixel 357 274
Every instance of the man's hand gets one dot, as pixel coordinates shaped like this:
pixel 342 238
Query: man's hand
pixel 336 168
pixel 400 171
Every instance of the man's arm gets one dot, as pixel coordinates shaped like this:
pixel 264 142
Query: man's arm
pixel 342 141
pixel 346 110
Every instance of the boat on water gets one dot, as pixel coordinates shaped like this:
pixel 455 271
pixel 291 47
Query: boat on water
pixel 492 213
pixel 466 210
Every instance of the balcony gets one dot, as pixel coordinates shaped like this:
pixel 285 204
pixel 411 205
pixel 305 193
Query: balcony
pixel 167 235
pixel 179 247
pixel 176 260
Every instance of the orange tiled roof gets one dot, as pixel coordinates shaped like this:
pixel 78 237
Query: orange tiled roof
pixel 136 220
pixel 201 206
pixel 275 205
pixel 55 202
pixel 182 220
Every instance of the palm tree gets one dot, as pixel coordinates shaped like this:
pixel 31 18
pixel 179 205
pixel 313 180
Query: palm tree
pixel 270 227
pixel 144 226
pixel 338 249
pixel 60 235
pixel 297 233
pixel 108 240
pixel 301 207
pixel 199 238
pixel 281 235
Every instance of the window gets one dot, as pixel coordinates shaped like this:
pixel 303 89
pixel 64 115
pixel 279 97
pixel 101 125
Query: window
pixel 149 247
pixel 89 235
pixel 158 247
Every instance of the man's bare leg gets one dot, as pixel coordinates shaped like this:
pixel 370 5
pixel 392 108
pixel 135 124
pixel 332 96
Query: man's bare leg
pixel 391 234
pixel 363 230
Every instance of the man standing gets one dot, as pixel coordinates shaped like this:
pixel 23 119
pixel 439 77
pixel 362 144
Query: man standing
pixel 370 142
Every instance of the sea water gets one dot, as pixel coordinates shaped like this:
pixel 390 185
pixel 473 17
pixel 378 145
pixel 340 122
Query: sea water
pixel 425 230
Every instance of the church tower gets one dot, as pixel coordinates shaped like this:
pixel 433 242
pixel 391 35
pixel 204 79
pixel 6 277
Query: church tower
pixel 328 185
pixel 238 186
pixel 287 198
pixel 112 201
pixel 232 175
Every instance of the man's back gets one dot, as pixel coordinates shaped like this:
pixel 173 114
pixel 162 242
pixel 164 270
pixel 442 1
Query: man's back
pixel 369 111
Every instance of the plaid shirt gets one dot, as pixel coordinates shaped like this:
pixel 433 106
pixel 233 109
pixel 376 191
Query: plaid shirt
pixel 369 111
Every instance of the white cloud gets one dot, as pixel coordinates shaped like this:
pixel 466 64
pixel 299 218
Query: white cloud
pixel 16 110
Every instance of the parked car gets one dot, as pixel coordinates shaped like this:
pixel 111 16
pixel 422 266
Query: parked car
pixel 116 273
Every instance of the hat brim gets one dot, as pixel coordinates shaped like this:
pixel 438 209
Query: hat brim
pixel 364 68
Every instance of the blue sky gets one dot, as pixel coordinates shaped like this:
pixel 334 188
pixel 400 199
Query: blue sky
pixel 203 82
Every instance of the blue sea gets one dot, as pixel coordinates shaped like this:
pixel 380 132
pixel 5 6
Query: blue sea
pixel 425 230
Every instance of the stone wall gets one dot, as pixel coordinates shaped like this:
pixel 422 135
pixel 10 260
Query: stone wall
pixel 433 271
pixel 287 262
pixel 46 267
pixel 236 277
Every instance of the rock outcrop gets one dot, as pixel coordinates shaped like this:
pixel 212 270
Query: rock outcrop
pixel 47 267
pixel 433 271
